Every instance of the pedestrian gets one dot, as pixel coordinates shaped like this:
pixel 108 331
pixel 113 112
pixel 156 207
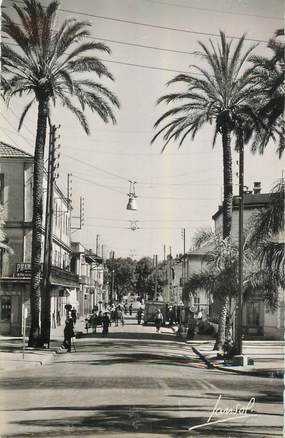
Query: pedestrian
pixel 105 323
pixel 73 315
pixel 115 317
pixel 68 334
pixel 131 309
pixel 119 316
pixel 192 327
pixel 94 321
pixel 158 320
pixel 139 315
pixel 171 316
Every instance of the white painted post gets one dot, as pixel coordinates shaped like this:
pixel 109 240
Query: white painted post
pixel 25 315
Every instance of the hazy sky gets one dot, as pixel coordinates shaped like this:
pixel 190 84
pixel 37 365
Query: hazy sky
pixel 176 189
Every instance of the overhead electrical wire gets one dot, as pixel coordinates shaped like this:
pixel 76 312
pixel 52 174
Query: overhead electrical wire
pixel 213 10
pixel 154 26
pixel 105 171
pixel 273 17
pixel 129 228
pixel 97 184
pixel 144 220
pixel 130 64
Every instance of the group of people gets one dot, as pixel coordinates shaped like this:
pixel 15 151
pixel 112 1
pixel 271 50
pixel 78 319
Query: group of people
pixel 114 314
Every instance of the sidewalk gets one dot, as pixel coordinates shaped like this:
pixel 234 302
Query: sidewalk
pixel 268 358
pixel 13 356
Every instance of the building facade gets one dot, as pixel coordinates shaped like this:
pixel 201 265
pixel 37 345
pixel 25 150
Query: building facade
pixel 16 175
pixel 90 269
pixel 258 318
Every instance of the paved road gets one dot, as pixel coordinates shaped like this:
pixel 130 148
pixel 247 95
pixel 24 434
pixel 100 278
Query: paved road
pixel 134 384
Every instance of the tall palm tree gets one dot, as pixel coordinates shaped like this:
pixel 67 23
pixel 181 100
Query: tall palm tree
pixel 268 75
pixel 48 64
pixel 220 95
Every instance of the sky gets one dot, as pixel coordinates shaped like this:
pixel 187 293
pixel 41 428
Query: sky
pixel 179 188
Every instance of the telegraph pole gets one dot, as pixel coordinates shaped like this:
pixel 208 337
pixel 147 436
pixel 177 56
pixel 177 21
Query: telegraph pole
pixel 97 243
pixel 69 187
pixel 112 278
pixel 183 262
pixel 45 298
pixel 155 283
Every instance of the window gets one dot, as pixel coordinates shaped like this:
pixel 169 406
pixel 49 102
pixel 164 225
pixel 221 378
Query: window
pixel 196 300
pixel 5 308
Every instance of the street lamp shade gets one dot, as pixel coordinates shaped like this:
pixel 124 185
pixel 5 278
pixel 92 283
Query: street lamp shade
pixel 131 205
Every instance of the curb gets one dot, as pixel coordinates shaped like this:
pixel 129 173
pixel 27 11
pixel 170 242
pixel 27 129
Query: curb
pixel 275 374
pixel 52 353
pixel 203 358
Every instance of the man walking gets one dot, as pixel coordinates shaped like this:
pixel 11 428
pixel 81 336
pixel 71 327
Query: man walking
pixel 105 323
pixel 68 334
pixel 158 320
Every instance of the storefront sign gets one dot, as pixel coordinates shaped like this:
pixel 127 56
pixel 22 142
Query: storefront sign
pixel 23 269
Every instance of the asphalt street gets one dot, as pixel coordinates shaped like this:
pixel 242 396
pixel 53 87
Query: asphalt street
pixel 136 383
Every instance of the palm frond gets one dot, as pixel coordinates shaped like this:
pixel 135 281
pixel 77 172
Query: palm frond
pixel 24 113
pixel 203 236
pixel 88 64
pixel 79 114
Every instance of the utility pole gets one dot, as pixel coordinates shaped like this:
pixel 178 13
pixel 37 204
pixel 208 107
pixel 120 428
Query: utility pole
pixel 112 278
pixel 97 243
pixel 69 187
pixel 183 260
pixel 45 296
pixel 240 277
pixel 155 282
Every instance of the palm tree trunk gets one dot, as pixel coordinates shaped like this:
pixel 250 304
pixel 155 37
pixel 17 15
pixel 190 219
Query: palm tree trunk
pixel 228 183
pixel 37 221
pixel 221 335
pixel 227 223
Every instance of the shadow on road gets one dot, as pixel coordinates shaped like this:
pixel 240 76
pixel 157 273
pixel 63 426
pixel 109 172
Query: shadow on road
pixel 169 420
pixel 162 336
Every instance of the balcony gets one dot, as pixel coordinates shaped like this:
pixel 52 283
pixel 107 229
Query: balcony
pixel 58 276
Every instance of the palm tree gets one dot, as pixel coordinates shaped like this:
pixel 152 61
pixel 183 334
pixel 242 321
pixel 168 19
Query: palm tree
pixel 48 64
pixel 268 75
pixel 267 227
pixel 219 278
pixel 219 96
